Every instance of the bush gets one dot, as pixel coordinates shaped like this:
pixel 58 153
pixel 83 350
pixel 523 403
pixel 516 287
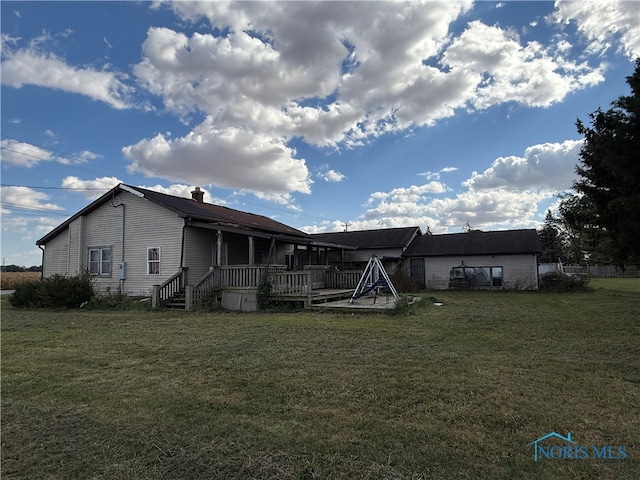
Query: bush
pixel 403 283
pixel 118 301
pixel 56 291
pixel 562 282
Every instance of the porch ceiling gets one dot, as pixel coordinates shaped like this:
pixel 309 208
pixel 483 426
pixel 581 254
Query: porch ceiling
pixel 247 231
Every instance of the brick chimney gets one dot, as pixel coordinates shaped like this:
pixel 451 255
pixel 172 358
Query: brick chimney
pixel 198 195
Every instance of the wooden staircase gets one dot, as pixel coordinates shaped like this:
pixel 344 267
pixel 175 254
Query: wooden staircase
pixel 177 300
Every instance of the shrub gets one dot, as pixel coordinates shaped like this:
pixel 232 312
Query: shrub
pixel 56 291
pixel 118 301
pixel 562 282
pixel 403 283
pixel 26 295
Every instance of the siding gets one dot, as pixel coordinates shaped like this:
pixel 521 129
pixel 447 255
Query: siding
pixel 519 271
pixel 56 255
pixel 200 250
pixel 147 225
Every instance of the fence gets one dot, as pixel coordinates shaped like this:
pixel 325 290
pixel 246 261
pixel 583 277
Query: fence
pixel 606 271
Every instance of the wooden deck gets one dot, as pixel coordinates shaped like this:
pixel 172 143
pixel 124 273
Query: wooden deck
pixel 320 295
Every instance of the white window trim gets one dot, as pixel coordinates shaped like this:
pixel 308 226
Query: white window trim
pixel 100 249
pixel 149 262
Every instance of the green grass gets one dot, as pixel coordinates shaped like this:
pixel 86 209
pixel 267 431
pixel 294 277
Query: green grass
pixel 621 284
pixel 456 391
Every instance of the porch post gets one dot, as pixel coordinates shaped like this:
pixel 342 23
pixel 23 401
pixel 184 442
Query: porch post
pixel 252 253
pixel 219 248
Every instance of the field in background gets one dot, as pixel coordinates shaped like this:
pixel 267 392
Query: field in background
pixel 9 280
pixel 452 391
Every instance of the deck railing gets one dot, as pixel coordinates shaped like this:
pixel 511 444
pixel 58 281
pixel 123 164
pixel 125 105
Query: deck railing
pixel 346 279
pixel 290 283
pixel 205 285
pixel 283 282
pixel 170 287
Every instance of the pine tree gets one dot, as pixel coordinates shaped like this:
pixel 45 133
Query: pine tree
pixel 607 206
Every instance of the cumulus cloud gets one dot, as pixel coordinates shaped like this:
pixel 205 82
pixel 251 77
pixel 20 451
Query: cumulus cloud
pixel 506 195
pixel 604 24
pixel 27 155
pixel 25 199
pixel 32 65
pixel 23 154
pixel 331 175
pixel 347 77
pixel 529 74
pixel 547 166
pixel 91 189
pixel 229 158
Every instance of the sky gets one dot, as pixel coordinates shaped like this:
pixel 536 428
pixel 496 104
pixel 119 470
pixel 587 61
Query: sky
pixel 321 115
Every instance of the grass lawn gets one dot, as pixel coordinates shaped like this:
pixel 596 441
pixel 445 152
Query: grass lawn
pixel 456 391
pixel 622 284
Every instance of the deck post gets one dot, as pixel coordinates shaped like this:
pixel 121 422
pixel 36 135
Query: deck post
pixel 155 297
pixel 252 253
pixel 219 248
pixel 188 297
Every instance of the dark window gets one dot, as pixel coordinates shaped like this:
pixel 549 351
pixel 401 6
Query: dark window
pixel 153 261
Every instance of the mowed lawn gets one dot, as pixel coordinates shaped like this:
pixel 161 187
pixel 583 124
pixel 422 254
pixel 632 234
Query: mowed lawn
pixel 451 391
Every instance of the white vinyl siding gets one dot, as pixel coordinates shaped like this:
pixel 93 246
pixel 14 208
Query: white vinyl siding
pixel 518 271
pixel 56 254
pixel 145 224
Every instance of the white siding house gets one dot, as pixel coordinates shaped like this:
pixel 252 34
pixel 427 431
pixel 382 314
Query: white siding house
pixel 131 239
pixel 482 260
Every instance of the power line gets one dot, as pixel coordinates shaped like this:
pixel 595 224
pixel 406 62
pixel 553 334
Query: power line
pixel 83 189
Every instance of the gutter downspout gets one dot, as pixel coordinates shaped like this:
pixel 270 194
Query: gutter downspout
pixel 121 283
pixel 42 272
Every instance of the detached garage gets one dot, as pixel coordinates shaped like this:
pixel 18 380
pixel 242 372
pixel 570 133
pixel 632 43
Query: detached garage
pixel 475 260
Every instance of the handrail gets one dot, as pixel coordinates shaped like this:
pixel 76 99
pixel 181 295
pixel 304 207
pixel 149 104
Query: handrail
pixel 170 287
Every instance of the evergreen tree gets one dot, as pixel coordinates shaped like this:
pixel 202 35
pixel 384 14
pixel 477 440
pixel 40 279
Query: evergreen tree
pixel 551 241
pixel 606 208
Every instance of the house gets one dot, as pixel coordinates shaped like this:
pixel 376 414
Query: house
pixel 388 244
pixel 479 260
pixel 141 242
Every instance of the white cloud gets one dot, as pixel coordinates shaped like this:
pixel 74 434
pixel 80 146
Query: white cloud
pixel 27 155
pixel 547 166
pixel 508 194
pixel 26 199
pixel 33 66
pixel 604 23
pixel 349 76
pixel 24 154
pixel 529 74
pixel 331 175
pixel 436 175
pixel 91 189
pixel 229 158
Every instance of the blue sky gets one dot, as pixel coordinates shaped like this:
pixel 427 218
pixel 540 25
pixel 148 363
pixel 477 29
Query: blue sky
pixel 375 114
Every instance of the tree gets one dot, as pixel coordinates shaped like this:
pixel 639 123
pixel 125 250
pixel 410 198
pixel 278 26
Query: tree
pixel 551 241
pixel 606 207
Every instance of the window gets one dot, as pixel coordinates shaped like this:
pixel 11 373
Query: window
pixel 496 275
pixel 153 261
pixel 100 261
pixel 472 277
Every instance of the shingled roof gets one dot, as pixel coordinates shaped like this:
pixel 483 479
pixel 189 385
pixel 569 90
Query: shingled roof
pixel 207 213
pixel 381 238
pixel 475 243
